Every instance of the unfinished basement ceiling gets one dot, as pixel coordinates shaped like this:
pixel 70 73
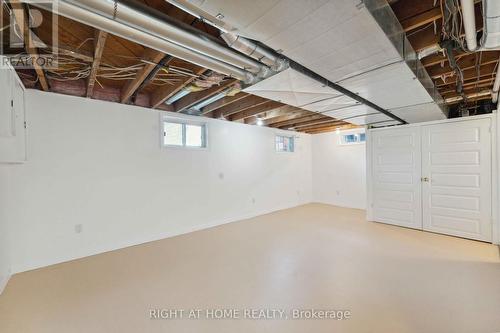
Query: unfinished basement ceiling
pixel 343 42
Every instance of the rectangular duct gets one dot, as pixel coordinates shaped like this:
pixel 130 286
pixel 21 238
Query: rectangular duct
pixel 357 45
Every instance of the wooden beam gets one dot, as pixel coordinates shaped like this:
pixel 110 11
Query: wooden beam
pixel 421 19
pixel 465 63
pixel 285 117
pixel 453 88
pixel 485 94
pixel 293 121
pixel 22 22
pixel 196 97
pixel 406 9
pixel 328 124
pixel 245 103
pixel 269 105
pixel 330 129
pixel 283 110
pixel 321 121
pixel 222 102
pixel 163 93
pixel 99 42
pixel 439 58
pixel 469 74
pixel 152 57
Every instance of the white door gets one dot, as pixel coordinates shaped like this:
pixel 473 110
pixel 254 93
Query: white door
pixel 396 189
pixel 456 174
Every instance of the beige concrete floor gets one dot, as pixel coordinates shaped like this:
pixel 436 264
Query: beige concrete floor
pixel 315 256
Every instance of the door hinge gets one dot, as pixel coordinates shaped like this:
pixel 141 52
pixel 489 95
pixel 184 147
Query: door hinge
pixel 25 125
pixel 12 103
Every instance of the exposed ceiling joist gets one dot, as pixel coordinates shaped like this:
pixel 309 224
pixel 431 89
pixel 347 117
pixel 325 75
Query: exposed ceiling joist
pixel 421 19
pixel 330 128
pixel 245 103
pixel 99 42
pixel 160 95
pixel 222 102
pixel 269 105
pixel 196 97
pixel 465 63
pixel 282 110
pixel 310 123
pixel 285 117
pixel 297 120
pixel 331 123
pixel 19 14
pixel 152 57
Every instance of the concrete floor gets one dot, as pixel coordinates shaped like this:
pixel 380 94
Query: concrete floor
pixel 316 256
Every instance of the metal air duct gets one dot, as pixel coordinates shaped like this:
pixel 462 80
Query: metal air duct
pixel 134 25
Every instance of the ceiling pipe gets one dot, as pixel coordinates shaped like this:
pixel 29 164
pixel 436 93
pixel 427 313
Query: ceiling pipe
pixel 255 51
pixel 491 19
pixel 91 13
pixel 201 15
pixel 496 86
pixel 145 18
pixel 232 39
pixel 469 19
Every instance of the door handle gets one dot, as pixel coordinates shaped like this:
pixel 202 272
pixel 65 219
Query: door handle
pixel 424 179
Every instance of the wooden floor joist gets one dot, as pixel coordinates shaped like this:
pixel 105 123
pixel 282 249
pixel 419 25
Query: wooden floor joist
pixel 196 97
pixel 99 42
pixel 256 110
pixel 22 22
pixel 162 94
pixel 152 57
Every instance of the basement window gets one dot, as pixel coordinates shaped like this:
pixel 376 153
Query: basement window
pixel 180 133
pixel 352 138
pixel 284 143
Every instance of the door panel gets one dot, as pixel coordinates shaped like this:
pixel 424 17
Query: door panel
pixel 396 177
pixel 456 160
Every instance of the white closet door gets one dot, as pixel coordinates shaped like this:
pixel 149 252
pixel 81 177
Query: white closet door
pixel 456 173
pixel 396 190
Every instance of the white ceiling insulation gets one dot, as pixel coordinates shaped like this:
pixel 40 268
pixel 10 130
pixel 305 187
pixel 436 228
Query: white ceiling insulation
pixel 341 41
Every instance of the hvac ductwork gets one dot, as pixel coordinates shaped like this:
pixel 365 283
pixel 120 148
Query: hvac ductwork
pixel 491 34
pixel 141 26
pixel 234 40
pixel 255 51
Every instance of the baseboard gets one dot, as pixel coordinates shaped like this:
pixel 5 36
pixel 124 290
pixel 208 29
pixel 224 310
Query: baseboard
pixel 117 246
pixel 336 204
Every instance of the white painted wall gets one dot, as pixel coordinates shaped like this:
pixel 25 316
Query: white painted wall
pixel 339 171
pixel 4 230
pixel 100 165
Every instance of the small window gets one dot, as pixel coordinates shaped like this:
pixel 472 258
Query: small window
pixel 352 138
pixel 284 143
pixel 184 134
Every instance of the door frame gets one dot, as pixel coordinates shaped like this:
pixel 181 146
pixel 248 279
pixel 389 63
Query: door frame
pixel 495 155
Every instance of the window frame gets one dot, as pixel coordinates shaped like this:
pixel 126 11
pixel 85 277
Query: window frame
pixel 290 137
pixel 183 122
pixel 357 134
